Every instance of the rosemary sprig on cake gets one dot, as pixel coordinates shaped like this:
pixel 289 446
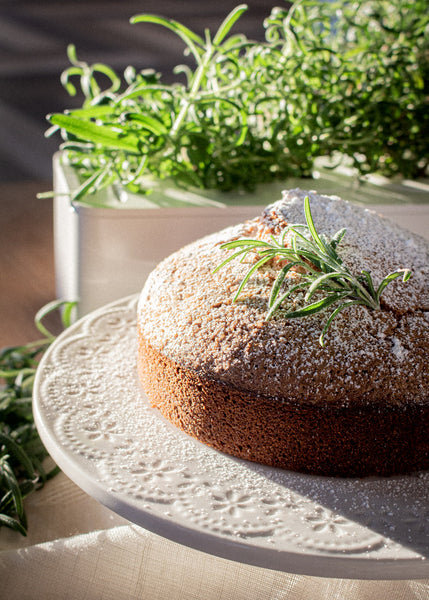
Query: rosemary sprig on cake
pixel 312 261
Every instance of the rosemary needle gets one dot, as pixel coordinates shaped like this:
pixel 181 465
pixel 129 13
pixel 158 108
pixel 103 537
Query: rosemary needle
pixel 22 454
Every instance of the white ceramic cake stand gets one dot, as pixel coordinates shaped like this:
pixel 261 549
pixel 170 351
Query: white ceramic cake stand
pixel 100 429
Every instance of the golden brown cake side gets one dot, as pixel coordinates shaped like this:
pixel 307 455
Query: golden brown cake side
pixel 324 440
pixel 266 391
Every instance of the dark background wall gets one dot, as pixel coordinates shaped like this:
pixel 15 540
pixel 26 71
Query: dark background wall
pixel 33 39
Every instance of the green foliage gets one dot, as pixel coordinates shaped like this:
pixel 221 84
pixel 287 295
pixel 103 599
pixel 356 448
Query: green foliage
pixel 317 270
pixel 348 78
pixel 22 454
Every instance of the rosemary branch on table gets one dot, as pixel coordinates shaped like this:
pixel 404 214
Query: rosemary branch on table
pixel 317 269
pixel 22 453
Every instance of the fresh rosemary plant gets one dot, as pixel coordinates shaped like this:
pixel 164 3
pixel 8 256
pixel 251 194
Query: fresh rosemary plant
pixel 330 78
pixel 22 454
pixel 317 269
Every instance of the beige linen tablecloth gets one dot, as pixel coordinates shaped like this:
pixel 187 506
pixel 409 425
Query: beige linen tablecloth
pixel 77 549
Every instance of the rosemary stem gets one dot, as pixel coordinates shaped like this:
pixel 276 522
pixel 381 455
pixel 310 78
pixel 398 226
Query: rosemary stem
pixel 196 84
pixel 368 299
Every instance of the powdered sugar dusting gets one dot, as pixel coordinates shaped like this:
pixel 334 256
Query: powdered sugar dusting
pixel 398 350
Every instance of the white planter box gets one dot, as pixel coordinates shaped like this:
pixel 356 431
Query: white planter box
pixel 105 252
pixel 102 254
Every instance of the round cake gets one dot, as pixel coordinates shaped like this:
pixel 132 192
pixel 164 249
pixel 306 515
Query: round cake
pixel 266 389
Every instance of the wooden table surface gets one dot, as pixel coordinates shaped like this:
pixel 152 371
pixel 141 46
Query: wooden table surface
pixel 26 259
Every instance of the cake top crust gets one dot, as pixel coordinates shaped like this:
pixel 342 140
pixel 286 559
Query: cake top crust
pixel 187 312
